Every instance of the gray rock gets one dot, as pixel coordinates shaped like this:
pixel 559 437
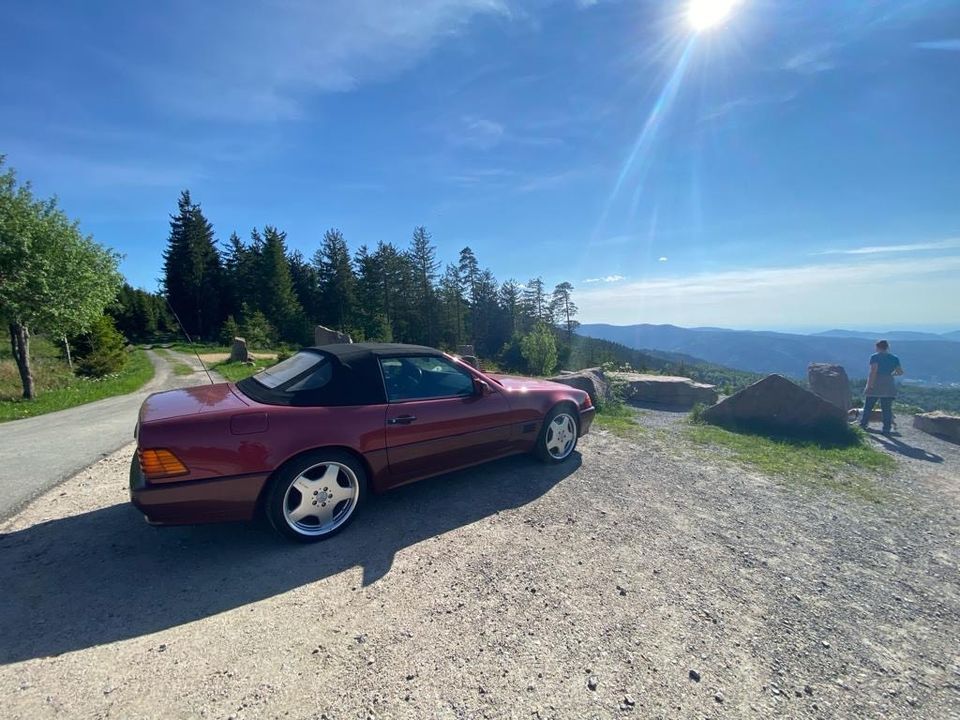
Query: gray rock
pixel 238 352
pixel 592 682
pixel 592 381
pixel 778 405
pixel 939 423
pixel 325 336
pixel 694 675
pixel 466 350
pixel 471 360
pixel 664 389
pixel 831 383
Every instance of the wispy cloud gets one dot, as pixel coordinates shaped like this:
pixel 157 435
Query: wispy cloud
pixel 782 295
pixel 743 103
pixel 478 132
pixel 816 59
pixel 607 279
pixel 950 44
pixel 265 62
pixel 880 249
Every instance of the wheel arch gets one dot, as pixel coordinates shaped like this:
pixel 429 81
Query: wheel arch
pixel 265 490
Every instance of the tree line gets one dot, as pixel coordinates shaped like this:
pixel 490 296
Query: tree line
pixel 260 289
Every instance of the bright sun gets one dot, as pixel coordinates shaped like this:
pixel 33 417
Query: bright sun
pixel 707 14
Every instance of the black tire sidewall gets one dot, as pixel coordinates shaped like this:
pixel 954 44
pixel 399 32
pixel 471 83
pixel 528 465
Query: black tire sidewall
pixel 273 508
pixel 541 450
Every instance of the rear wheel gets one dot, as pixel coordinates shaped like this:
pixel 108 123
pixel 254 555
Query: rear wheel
pixel 558 437
pixel 316 496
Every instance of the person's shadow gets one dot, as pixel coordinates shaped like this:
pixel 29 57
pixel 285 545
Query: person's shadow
pixel 892 444
pixel 105 575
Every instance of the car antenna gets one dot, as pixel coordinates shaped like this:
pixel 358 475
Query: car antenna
pixel 189 340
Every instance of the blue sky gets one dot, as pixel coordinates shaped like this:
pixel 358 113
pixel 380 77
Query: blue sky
pixel 796 167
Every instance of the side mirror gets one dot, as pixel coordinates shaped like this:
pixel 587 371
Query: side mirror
pixel 480 387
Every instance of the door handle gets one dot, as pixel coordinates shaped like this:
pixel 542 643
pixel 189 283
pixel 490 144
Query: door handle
pixel 402 420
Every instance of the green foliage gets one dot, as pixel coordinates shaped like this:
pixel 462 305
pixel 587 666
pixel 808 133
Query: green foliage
pixel 258 332
pixel 141 315
pixel 620 419
pixel 59 389
pixel 539 349
pixel 838 466
pixel 229 331
pixel 696 414
pixel 192 270
pixel 100 351
pixel 917 397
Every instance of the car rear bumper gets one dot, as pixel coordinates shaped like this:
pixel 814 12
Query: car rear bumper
pixel 586 419
pixel 195 501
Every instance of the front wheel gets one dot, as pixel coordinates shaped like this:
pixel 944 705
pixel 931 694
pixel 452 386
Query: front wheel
pixel 558 438
pixel 316 496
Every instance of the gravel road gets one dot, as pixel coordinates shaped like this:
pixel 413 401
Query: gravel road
pixel 650 579
pixel 39 452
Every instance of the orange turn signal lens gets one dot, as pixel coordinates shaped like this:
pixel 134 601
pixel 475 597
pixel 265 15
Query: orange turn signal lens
pixel 161 463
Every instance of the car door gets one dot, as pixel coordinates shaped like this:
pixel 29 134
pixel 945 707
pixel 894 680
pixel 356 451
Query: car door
pixel 435 419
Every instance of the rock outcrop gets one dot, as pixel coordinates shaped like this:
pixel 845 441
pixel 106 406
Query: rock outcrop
pixel 939 423
pixel 831 383
pixel 325 336
pixel 777 405
pixel 591 380
pixel 663 389
pixel 238 351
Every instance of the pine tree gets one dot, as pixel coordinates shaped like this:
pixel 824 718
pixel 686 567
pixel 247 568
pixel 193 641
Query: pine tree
pixel 454 305
pixel 564 309
pixel 423 257
pixel 511 302
pixel 336 281
pixel 535 301
pixel 305 286
pixel 192 274
pixel 277 300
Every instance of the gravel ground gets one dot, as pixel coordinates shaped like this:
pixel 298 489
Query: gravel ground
pixel 650 579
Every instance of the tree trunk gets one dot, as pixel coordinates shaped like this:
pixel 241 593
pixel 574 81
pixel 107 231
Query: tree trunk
pixel 66 347
pixel 20 341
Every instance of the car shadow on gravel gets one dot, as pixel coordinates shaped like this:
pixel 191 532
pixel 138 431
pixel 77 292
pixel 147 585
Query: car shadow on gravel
pixel 105 575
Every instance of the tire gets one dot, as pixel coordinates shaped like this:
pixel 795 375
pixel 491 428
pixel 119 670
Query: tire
pixel 558 436
pixel 316 495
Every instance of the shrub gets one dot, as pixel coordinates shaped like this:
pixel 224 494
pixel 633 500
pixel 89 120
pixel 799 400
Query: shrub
pixel 101 351
pixel 539 349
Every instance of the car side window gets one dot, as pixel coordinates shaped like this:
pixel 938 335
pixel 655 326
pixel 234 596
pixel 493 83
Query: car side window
pixel 420 378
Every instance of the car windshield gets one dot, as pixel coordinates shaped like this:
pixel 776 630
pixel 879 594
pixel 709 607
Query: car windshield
pixel 287 370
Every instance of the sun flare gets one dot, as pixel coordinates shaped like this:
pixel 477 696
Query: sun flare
pixel 707 14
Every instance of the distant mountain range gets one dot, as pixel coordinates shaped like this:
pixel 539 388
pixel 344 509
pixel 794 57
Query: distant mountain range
pixel 926 357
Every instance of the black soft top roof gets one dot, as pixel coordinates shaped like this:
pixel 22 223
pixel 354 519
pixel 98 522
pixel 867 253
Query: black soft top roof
pixel 355 377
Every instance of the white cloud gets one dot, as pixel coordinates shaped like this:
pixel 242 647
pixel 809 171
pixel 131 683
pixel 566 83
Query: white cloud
pixel 880 249
pixel 812 60
pixel 951 44
pixel 478 132
pixel 882 292
pixel 606 279
pixel 663 258
pixel 262 62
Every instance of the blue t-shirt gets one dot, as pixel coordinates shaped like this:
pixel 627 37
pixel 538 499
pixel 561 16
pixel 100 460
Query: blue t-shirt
pixel 886 362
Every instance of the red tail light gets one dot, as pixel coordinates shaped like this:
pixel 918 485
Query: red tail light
pixel 587 403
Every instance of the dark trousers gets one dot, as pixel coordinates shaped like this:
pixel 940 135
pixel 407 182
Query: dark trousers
pixel 886 408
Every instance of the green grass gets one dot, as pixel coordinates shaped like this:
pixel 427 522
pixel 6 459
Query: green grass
pixel 179 367
pixel 619 419
pixel 845 466
pixel 239 371
pixel 57 388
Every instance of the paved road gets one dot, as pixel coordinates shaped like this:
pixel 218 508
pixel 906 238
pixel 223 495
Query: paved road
pixel 39 452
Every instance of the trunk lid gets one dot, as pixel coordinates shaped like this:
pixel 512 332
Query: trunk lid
pixel 191 401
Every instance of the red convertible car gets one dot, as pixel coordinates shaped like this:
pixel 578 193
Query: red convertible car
pixel 304 441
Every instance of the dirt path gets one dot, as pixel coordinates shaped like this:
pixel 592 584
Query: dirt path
pixel 651 579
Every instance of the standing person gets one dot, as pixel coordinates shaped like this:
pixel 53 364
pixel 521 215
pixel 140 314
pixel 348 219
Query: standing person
pixel 880 386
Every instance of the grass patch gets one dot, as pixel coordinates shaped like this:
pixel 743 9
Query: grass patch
pixel 238 371
pixel 57 388
pixel 619 419
pixel 837 465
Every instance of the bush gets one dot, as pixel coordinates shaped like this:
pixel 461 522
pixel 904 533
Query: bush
pixel 539 349
pixel 101 351
pixel 696 414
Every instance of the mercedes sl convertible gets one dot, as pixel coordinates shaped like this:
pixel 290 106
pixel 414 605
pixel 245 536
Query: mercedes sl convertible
pixel 304 441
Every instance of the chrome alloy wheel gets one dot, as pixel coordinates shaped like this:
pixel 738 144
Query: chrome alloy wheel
pixel 321 498
pixel 561 436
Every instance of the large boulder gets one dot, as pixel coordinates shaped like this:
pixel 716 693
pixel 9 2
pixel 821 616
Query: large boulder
pixel 831 383
pixel 664 389
pixel 939 423
pixel 325 336
pixel 592 381
pixel 775 404
pixel 238 351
